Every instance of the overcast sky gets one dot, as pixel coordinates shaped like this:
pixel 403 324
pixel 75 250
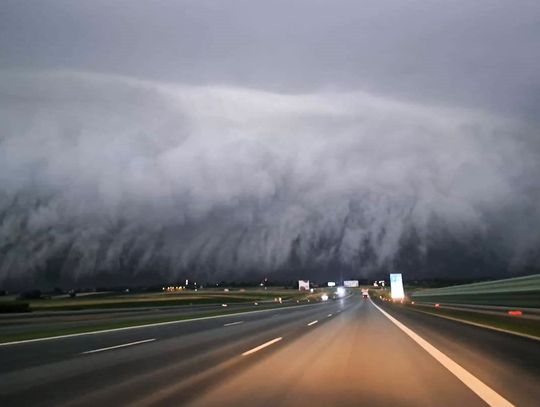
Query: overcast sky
pixel 223 138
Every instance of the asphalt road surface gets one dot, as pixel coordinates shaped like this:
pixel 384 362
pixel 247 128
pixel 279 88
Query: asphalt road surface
pixel 340 353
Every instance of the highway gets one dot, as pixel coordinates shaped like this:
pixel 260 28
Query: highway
pixel 349 352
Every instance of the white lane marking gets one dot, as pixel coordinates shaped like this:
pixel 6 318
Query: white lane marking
pixel 181 321
pixel 486 393
pixel 329 315
pixel 264 345
pixel 233 323
pixel 313 322
pixel 118 346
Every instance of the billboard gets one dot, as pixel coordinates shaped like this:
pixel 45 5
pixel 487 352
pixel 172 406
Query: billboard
pixel 396 286
pixel 350 283
pixel 303 285
pixel 331 284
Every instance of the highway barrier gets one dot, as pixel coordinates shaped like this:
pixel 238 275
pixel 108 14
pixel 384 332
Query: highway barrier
pixel 511 292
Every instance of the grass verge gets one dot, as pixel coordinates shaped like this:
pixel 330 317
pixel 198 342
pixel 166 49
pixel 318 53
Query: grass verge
pixel 158 299
pixel 124 324
pixel 504 322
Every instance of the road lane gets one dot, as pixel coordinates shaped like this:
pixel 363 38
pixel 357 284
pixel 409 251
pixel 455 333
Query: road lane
pixel 28 324
pixel 57 369
pixel 29 354
pixel 353 355
pixel 501 360
pixel 482 390
pixel 63 320
pixel 358 358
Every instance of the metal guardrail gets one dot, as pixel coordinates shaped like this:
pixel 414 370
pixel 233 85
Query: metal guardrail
pixel 518 292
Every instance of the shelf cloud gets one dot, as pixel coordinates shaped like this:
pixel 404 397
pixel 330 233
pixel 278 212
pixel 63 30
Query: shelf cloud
pixel 109 174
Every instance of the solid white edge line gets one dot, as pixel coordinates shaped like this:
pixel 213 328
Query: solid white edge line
pixel 486 393
pixel 127 328
pixel 233 323
pixel 264 345
pixel 313 322
pixel 118 346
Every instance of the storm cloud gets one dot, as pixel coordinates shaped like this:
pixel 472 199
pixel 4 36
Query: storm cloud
pixel 108 172
pixel 202 139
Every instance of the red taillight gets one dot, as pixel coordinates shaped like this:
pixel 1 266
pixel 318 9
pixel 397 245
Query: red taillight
pixel 515 312
pixel 412 302
pixel 437 305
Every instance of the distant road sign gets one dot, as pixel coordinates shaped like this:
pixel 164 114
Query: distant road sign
pixel 303 285
pixel 331 284
pixel 350 283
pixel 396 286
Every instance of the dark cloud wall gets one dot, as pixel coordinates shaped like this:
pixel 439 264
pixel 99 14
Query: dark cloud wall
pixel 227 139
pixel 106 174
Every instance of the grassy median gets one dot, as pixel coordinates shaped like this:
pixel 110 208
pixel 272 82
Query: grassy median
pixel 506 322
pixel 141 300
pixel 45 333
